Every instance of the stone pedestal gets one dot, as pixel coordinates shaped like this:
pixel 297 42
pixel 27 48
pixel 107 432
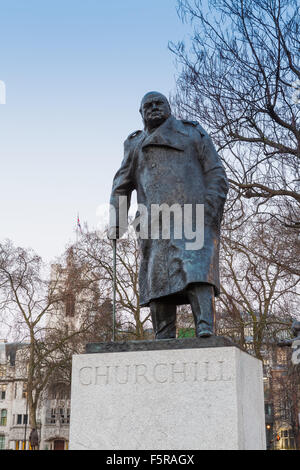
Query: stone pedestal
pixel 167 395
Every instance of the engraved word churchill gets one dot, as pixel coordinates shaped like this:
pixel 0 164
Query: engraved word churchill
pixel 159 373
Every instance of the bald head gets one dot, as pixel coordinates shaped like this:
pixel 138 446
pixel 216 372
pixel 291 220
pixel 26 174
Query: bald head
pixel 155 109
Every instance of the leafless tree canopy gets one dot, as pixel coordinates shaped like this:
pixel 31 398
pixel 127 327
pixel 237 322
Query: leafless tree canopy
pixel 95 251
pixel 259 296
pixel 39 308
pixel 237 77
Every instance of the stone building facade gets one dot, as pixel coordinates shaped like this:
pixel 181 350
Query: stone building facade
pixel 14 425
pixel 53 414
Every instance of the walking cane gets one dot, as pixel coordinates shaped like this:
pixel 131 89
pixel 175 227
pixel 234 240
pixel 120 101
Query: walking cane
pixel 114 286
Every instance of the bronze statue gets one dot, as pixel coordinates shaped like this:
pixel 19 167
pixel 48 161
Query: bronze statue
pixel 173 163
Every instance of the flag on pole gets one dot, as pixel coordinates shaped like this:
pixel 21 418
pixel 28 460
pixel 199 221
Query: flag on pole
pixel 78 223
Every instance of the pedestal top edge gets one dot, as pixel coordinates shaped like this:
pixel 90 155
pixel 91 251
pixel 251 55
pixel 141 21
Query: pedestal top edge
pixel 162 344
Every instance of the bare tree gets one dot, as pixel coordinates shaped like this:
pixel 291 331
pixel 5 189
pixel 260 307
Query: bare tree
pixel 283 394
pixel 96 252
pixel 238 79
pixel 30 299
pixel 259 297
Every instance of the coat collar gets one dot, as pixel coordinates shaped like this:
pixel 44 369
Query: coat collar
pixel 169 134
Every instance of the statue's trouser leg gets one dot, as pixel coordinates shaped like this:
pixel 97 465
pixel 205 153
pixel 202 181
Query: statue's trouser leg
pixel 163 319
pixel 201 297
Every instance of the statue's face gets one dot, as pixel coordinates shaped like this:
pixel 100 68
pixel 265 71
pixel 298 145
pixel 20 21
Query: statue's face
pixel 155 110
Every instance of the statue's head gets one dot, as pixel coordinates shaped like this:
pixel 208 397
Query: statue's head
pixel 155 109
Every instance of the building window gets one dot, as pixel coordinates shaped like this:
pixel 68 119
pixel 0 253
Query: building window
pixel 24 391
pixel 3 417
pixel 21 419
pixel 268 409
pixel 61 415
pixel 287 439
pixel 64 415
pixel 52 416
pixel 2 442
pixel 2 392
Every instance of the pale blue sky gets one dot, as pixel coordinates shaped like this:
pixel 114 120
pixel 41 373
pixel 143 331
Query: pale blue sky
pixel 75 71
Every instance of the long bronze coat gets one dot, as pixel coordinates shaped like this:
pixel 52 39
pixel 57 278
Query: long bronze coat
pixel 175 164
